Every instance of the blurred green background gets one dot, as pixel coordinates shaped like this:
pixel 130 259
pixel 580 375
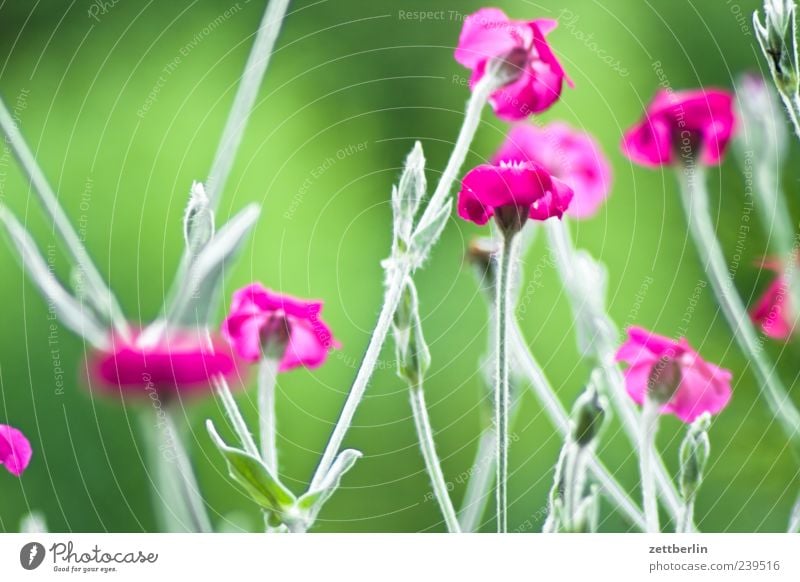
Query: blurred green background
pixel 124 111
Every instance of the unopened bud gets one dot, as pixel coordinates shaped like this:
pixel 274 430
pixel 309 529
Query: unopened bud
pixel 589 414
pixel 694 452
pixel 198 220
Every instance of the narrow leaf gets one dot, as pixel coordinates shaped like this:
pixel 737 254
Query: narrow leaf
pixel 426 235
pixel 69 310
pixel 259 482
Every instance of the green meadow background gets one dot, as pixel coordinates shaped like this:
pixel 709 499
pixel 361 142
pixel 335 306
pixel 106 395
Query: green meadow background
pixel 124 110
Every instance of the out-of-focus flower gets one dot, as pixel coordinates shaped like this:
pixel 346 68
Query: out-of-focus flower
pixel 774 311
pixel 570 155
pixel 259 316
pixel 15 450
pixel 182 365
pixel 512 192
pixel 656 362
pixel 537 76
pixel 681 127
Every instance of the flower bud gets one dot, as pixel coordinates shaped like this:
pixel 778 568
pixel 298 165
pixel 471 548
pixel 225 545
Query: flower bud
pixel 694 453
pixel 198 220
pixel 588 414
pixel 778 42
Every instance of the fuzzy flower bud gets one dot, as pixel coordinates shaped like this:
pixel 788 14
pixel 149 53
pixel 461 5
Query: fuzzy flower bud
pixel 694 453
pixel 777 38
pixel 198 220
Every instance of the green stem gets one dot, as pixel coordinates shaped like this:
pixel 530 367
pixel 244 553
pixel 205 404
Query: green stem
pixel 694 196
pixel 502 394
pixel 267 377
pixel 425 436
pixel 647 448
pixel 398 273
pixel 687 520
pixel 481 479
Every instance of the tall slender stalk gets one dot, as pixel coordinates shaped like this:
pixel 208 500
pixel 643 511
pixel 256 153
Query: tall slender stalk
pixel 481 479
pixel 246 94
pixel 694 196
pixel 591 317
pixel 502 395
pixel 398 272
pixel 647 449
pixel 425 436
pixel 267 377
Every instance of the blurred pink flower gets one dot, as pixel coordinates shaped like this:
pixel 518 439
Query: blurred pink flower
pixel 570 155
pixel 183 365
pixel 517 186
pixel 702 386
pixel 774 312
pixel 682 124
pixel 258 314
pixel 15 450
pixel 489 34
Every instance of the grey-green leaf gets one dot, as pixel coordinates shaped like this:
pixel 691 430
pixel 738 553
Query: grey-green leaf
pixel 251 473
pixel 426 235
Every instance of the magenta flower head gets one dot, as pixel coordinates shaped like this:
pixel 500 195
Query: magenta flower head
pixel 683 125
pixel 259 317
pixel 512 192
pixel 774 312
pixel 537 75
pixel 686 384
pixel 182 365
pixel 572 156
pixel 15 450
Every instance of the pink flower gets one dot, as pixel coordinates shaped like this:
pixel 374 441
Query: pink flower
pixel 774 312
pixel 572 156
pixel 701 386
pixel 183 365
pixel 488 34
pixel 682 125
pixel 15 450
pixel 258 314
pixel 521 187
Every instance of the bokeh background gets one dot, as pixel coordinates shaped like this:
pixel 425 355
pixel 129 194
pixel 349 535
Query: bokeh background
pixel 124 111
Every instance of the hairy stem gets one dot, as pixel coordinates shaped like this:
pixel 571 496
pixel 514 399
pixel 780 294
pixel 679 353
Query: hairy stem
pixel 234 415
pixel 481 479
pixel 649 419
pixel 425 435
pixel 502 395
pixel 694 196
pixel 393 294
pixel 398 273
pixel 686 524
pixel 267 379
